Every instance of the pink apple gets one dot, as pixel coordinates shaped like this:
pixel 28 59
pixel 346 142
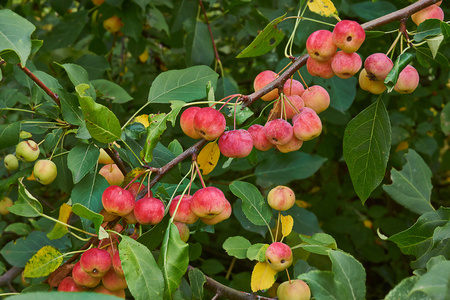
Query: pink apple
pixel 345 65
pixel 317 98
pixel 293 87
pixel 293 145
pixel 187 122
pixel 408 80
pixel 225 214
pixel 281 198
pixel 320 45
pixel 279 256
pixel 260 140
pixel 117 201
pixel 289 110
pixel 184 213
pixel 378 65
pixel 149 211
pixel 236 143
pixel 208 202
pixel 320 68
pixel 209 123
pixel 278 131
pixel 263 79
pixel 307 124
pixel 430 12
pixel 348 35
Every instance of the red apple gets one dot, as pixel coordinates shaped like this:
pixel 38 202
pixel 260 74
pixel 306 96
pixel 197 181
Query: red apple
pixel 378 65
pixel 307 124
pixel 208 202
pixel 96 262
pixel 117 201
pixel 279 256
pixel 187 122
pixel 209 123
pixel 320 68
pixel 225 214
pixel 430 12
pixel 278 131
pixel 149 211
pixel 263 79
pixel 348 35
pixel 408 80
pixel 320 45
pixel 260 140
pixel 69 285
pixel 345 65
pixel 236 143
pixel 103 290
pixel 81 277
pixel 114 282
pixel 184 213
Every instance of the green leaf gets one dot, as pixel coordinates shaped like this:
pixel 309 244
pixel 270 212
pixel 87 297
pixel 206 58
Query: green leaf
pixel 445 29
pixel 254 206
pixel 350 273
pixel 9 134
pixel 244 221
pixel 173 260
pixel 183 85
pixel 15 32
pixel 445 119
pixel 257 252
pixel 427 28
pixel 102 123
pixel 144 278
pixel 319 243
pixel 305 222
pixel 10 180
pixel 175 107
pixel 66 32
pixel 367 142
pixel 18 228
pixel 342 91
pixel 44 262
pixel 284 168
pixel 369 10
pixel 435 283
pixel 82 159
pixel 266 40
pixel 426 58
pixel 412 186
pixel 197 280
pixel 153 237
pixel 132 19
pixel 322 285
pixel 61 295
pixel 199 50
pixel 77 76
pixel 401 290
pixel 26 205
pixel 400 63
pixel 154 131
pixel 109 90
pixel 88 214
pixel 237 246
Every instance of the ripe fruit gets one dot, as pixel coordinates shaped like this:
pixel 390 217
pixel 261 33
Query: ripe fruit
pixel 112 174
pixel 320 45
pixel 96 262
pixel 289 110
pixel 317 98
pixel 370 83
pixel 408 80
pixel 208 202
pixel 348 36
pixel 27 151
pixel 104 158
pixel 81 277
pixel 320 68
pixel 293 87
pixel 281 198
pixel 278 131
pixel 69 285
pixel 117 201
pixel 295 290
pixel 187 122
pixel 430 12
pixel 209 123
pixel 183 229
pixel 293 145
pixel 136 187
pixel 45 171
pixel 112 24
pixel 378 65
pixel 345 65
pixel 307 124
pixel 114 282
pixel 225 214
pixel 4 204
pixel 149 211
pixel 117 264
pixel 263 79
pixel 103 290
pixel 184 212
pixel 107 217
pixel 260 140
pixel 236 143
pixel 130 218
pixel 279 256
pixel 11 162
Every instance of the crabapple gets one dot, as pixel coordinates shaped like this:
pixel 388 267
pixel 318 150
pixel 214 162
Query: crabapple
pixel 114 282
pixel 149 211
pixel 209 123
pixel 279 256
pixel 289 110
pixel 370 83
pixel 430 12
pixel 260 140
pixel 107 217
pixel 225 214
pixel 345 65
pixel 184 212
pixel 263 79
pixel 294 290
pixel 293 87
pixel 307 124
pixel 317 98
pixel 208 202
pixel 104 158
pixel 236 143
pixel 112 174
pixel 293 145
pixel 378 65
pixel 45 171
pixel 113 24
pixel 278 131
pixel 27 151
pixel 183 229
pixel 82 278
pixel 4 204
pixel 348 35
pixel 130 218
pixel 117 264
pixel 69 285
pixel 96 262
pixel 281 198
pixel 136 187
pixel 117 201
pixel 11 162
pixel 320 68
pixel 187 122
pixel 103 290
pixel 320 45
pixel 408 80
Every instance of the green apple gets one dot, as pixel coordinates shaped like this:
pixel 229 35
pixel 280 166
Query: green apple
pixel 27 151
pixel 45 171
pixel 11 162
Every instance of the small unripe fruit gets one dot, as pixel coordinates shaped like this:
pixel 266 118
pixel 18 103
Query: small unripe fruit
pixel 295 290
pixel 112 24
pixel 279 256
pixel 82 278
pixel 45 171
pixel 183 229
pixel 408 80
pixel 27 151
pixel 69 285
pixel 236 143
pixel 307 124
pixel 104 158
pixel 187 122
pixel 263 79
pixel 345 65
pixel 209 123
pixel 293 87
pixel 430 12
pixel 117 201
pixel 225 214
pixel 260 140
pixel 184 212
pixel 4 204
pixel 378 65
pixel 208 202
pixel 320 68
pixel 112 174
pixel 149 211
pixel 289 110
pixel 320 45
pixel 348 36
pixel 11 162
pixel 370 83
pixel 96 262
pixel 278 131
pixel 281 198
pixel 317 98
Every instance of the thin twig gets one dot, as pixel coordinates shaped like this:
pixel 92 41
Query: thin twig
pixel 45 88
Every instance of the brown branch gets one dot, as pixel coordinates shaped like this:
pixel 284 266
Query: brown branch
pixel 9 276
pixel 117 161
pixel 45 88
pixel 216 54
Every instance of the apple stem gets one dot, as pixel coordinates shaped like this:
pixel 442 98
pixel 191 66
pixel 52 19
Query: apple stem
pixel 193 175
pixel 295 108
pixel 278 225
pixel 234 120
pixel 199 174
pixel 394 44
pixel 301 77
pixel 227 276
pixel 289 277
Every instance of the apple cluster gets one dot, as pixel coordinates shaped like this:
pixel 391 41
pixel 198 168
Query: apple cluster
pixel 44 170
pixel 97 269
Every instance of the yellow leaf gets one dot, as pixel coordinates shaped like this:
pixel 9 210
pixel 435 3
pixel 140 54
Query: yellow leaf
pixel 144 56
pixel 402 146
pixel 60 230
pixel 208 157
pixel 322 7
pixel 143 119
pixel 263 276
pixel 44 262
pixel 287 222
